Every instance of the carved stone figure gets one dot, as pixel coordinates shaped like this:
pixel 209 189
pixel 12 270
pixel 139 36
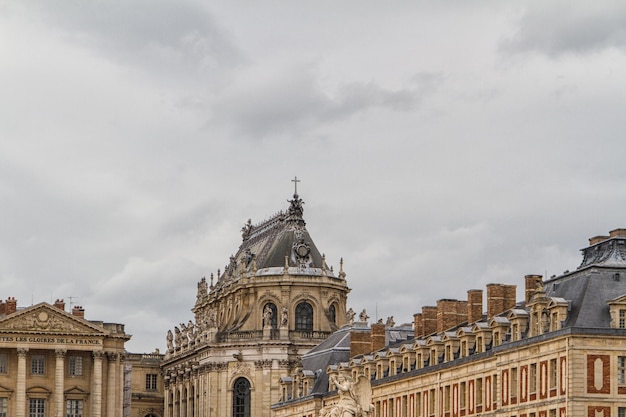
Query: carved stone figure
pixel 178 338
pixel 170 341
pixel 350 316
pixel 267 316
pixel 184 335
pixel 355 398
pixel 190 331
pixel 363 316
pixel 284 319
pixel 390 322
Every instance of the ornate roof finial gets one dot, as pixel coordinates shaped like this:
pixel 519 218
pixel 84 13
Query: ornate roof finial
pixel 341 273
pixel 294 214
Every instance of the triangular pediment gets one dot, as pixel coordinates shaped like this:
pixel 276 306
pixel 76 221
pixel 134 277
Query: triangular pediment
pixel 5 392
pixel 44 318
pixel 618 300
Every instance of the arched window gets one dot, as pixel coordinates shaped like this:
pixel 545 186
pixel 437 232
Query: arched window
pixel 332 313
pixel 270 315
pixel 241 398
pixel 304 317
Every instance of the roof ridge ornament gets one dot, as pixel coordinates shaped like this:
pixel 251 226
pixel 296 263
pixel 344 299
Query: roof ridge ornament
pixel 295 212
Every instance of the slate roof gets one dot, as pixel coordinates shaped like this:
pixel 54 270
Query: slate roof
pixel 601 277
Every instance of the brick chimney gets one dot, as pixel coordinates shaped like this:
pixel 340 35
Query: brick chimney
pixel 617 233
pixel 532 282
pixel 378 337
pixel 3 307
pixel 60 304
pixel 360 342
pixel 78 311
pixel 418 325
pixel 450 313
pixel 11 305
pixel 597 239
pixel 500 298
pixel 474 305
pixel 429 317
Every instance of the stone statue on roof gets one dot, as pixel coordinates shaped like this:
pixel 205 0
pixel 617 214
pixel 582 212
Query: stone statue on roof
pixel 350 316
pixel 363 316
pixel 355 397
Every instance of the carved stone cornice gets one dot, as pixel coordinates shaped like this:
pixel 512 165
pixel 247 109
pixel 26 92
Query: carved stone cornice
pixel 611 252
pixel 263 364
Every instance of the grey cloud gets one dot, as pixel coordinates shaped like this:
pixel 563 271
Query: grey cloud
pixel 296 102
pixel 162 36
pixel 556 28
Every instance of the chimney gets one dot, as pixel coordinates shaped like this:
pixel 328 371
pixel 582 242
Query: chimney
pixel 60 304
pixel 532 283
pixel 11 306
pixel 617 233
pixel 378 337
pixel 429 316
pixel 418 325
pixel 360 342
pixel 78 311
pixel 450 313
pixel 597 239
pixel 3 307
pixel 500 298
pixel 474 305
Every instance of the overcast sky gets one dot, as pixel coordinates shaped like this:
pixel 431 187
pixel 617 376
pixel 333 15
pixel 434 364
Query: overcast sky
pixel 441 146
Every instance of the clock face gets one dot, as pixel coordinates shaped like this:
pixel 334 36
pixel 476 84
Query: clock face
pixel 302 250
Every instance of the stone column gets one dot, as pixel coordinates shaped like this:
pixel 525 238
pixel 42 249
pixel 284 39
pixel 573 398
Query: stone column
pixel 20 394
pixel 59 374
pixel 96 396
pixel 111 384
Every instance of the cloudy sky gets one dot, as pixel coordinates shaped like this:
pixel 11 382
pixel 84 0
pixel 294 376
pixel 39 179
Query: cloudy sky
pixel 441 145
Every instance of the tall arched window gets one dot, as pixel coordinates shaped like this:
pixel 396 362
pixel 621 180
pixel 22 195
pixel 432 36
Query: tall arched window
pixel 241 398
pixel 332 313
pixel 270 315
pixel 304 317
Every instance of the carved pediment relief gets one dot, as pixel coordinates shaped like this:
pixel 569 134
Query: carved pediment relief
pixel 45 318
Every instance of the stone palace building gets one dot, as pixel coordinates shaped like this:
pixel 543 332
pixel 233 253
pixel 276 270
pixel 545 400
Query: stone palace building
pixel 275 300
pixel 55 363
pixel 559 352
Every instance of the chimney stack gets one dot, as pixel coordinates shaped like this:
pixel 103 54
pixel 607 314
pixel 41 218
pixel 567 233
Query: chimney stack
pixel 11 306
pixel 360 342
pixel 474 305
pixel 532 283
pixel 378 337
pixel 429 317
pixel 78 311
pixel 60 304
pixel 500 298
pixel 450 313
pixel 418 325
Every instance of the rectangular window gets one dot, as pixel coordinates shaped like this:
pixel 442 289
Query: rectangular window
pixel 532 378
pixel 494 388
pixel 431 402
pixel 38 365
pixel 513 383
pixel 479 344
pixel 151 382
pixel 392 403
pixel 622 319
pixel 621 370
pixel 36 407
pixel 4 367
pixel 3 407
pixel 75 365
pixel 552 373
pixel 462 395
pixel 418 405
pixel 446 398
pixel 621 411
pixel 479 391
pixel 74 408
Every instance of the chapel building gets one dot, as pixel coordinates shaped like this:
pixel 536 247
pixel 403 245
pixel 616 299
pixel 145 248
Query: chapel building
pixel 560 351
pixel 55 363
pixel 275 300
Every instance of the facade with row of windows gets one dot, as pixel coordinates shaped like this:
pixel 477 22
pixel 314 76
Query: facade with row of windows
pixel 275 300
pixel 54 363
pixel 559 352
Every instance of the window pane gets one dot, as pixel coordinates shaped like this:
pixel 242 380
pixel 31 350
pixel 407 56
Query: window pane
pixel 74 408
pixel 3 407
pixel 3 363
pixel 37 365
pixel 36 407
pixel 76 365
